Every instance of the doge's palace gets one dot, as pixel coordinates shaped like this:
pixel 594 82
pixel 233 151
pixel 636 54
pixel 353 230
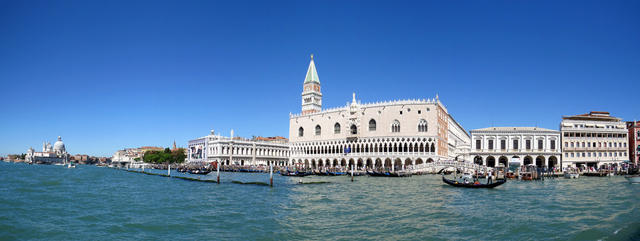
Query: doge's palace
pixel 390 134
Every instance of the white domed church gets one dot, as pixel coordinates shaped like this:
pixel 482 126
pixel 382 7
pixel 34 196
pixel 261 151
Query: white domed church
pixel 49 154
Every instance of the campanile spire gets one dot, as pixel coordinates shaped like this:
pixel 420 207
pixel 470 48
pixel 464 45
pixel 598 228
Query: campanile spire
pixel 311 94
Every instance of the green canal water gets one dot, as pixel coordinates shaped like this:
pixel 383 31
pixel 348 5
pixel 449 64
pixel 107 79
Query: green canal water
pixel 93 203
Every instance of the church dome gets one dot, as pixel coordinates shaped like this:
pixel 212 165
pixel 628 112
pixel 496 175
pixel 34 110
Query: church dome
pixel 59 146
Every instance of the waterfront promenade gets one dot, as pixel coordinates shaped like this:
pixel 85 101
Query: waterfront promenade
pixel 93 203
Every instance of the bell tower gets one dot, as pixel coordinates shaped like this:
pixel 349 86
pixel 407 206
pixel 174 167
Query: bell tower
pixel 311 94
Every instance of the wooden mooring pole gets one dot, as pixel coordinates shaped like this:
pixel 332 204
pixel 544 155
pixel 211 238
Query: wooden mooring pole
pixel 218 172
pixel 271 175
pixel 352 173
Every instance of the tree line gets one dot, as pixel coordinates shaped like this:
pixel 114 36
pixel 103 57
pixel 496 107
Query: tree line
pixel 166 156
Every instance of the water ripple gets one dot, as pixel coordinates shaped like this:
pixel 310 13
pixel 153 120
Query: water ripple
pixel 91 203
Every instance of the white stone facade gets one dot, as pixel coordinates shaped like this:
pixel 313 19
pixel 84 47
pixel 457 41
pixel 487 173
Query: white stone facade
pixel 383 134
pixel 521 145
pixel 459 141
pixel 126 157
pixel 237 151
pixel 49 154
pixel 593 139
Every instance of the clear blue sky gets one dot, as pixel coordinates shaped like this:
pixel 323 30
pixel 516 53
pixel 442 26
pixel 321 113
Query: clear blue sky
pixel 106 75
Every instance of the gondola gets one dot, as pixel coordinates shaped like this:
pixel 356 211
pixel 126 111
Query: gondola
pixel 320 173
pixel 199 171
pixel 336 173
pixel 295 174
pixel 400 174
pixel 379 174
pixel 471 185
pixel 358 173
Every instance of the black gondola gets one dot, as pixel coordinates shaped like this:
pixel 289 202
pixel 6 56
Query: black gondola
pixel 199 171
pixel 320 173
pixel 296 174
pixel 400 174
pixel 472 185
pixel 378 174
pixel 336 173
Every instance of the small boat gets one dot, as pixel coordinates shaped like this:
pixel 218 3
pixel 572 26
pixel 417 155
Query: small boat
pixel 320 173
pixel 568 175
pixel 378 174
pixel 358 173
pixel 526 176
pixel 633 178
pixel 400 174
pixel 199 171
pixel 295 174
pixel 474 185
pixel 336 173
pixel 510 175
pixel 71 165
pixel 571 173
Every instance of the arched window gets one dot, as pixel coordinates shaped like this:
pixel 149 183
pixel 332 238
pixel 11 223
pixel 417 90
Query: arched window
pixel 301 131
pixel 422 125
pixel 318 130
pixel 372 125
pixel 395 127
pixel 354 129
pixel 336 128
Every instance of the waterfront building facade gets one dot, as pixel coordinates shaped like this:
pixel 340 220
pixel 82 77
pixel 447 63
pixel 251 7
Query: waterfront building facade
pixel 593 139
pixel 381 134
pixel 132 157
pixel 238 151
pixel 49 154
pixel 516 146
pixel 633 131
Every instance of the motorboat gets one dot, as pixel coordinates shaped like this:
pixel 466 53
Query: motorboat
pixel 71 165
pixel 568 175
pixel 571 173
pixel 633 178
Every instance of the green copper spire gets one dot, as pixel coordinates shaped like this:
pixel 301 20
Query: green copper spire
pixel 312 75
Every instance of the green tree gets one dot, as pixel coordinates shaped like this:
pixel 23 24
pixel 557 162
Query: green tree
pixel 166 156
pixel 178 155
